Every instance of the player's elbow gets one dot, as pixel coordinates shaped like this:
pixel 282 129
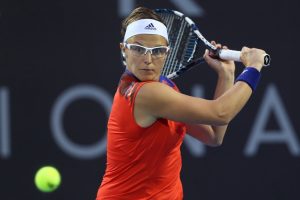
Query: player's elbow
pixel 223 119
pixel 216 142
pixel 223 115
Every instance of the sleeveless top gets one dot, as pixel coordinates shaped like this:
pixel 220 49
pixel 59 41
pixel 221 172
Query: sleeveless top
pixel 142 163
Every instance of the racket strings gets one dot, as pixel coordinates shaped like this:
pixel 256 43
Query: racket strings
pixel 172 22
pixel 185 48
pixel 168 20
pixel 182 43
pixel 190 49
pixel 198 48
pixel 179 28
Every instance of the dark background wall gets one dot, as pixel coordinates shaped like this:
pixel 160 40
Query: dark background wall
pixel 59 67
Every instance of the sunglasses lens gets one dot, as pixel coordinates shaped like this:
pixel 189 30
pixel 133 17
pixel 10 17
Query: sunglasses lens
pixel 159 52
pixel 156 52
pixel 137 50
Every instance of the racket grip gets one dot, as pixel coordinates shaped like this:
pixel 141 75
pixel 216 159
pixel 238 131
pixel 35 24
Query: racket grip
pixel 234 55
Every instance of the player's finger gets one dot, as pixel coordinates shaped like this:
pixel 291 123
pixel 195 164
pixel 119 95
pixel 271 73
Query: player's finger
pixel 207 56
pixel 218 45
pixel 244 49
pixel 209 60
pixel 206 53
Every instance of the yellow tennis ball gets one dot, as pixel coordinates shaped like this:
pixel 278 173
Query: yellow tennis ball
pixel 47 179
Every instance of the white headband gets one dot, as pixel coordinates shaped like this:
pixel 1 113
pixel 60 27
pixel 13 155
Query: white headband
pixel 146 26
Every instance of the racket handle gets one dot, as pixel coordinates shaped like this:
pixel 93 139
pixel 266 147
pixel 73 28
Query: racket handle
pixel 227 54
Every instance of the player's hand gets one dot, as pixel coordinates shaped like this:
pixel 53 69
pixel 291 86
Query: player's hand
pixel 222 67
pixel 252 57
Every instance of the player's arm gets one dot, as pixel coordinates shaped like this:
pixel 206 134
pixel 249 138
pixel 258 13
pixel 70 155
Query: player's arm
pixel 213 135
pixel 204 133
pixel 160 101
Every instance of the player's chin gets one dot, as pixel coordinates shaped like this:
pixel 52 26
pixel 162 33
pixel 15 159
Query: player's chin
pixel 148 76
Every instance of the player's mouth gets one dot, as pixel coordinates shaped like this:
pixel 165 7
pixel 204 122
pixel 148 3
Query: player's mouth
pixel 148 70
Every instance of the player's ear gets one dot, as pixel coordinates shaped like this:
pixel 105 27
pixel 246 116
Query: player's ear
pixel 122 47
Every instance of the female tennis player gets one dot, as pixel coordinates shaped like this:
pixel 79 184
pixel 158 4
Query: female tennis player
pixel 150 117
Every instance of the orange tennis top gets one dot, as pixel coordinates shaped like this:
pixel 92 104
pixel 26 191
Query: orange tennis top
pixel 142 163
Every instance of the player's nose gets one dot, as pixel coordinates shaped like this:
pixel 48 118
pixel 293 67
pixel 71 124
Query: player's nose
pixel 148 57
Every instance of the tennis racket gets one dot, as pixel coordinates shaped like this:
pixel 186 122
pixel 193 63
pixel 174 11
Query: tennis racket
pixel 188 44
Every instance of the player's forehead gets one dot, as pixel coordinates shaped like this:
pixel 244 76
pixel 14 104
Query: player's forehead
pixel 148 40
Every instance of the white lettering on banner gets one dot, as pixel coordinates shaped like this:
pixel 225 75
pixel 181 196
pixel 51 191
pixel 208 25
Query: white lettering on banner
pixel 5 149
pixel 196 148
pixel 188 7
pixel 258 136
pixel 271 103
pixel 69 96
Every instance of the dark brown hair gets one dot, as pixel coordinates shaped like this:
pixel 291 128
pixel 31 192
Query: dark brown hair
pixel 137 14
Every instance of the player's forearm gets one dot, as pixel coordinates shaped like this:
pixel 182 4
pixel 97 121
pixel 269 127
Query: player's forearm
pixel 225 82
pixel 232 101
pixel 203 133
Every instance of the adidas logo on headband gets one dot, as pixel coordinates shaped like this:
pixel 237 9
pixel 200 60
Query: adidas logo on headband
pixel 150 27
pixel 146 26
